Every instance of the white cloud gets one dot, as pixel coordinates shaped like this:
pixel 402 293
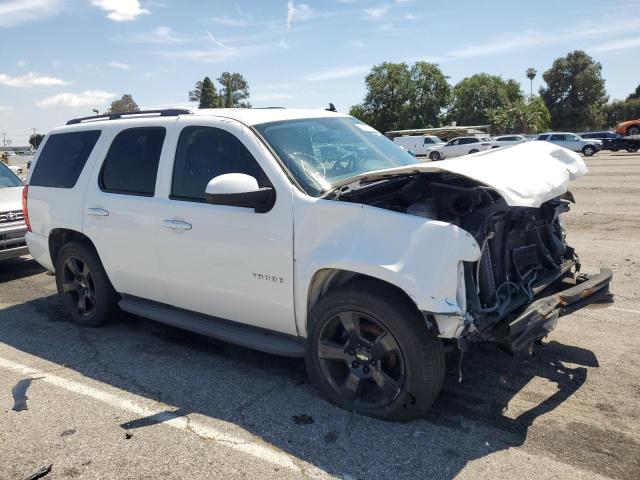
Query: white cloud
pixel 376 13
pixel 88 98
pixel 283 44
pixel 299 12
pixel 21 63
pixel 120 10
pixel 335 73
pixel 229 21
pixel 356 44
pixel 218 53
pixel 30 80
pixel 16 12
pixel 616 45
pixel 119 65
pixel 160 36
pixel 6 109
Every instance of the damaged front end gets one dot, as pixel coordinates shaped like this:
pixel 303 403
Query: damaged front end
pixel 526 276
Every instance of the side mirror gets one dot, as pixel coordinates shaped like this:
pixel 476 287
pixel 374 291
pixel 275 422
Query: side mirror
pixel 239 190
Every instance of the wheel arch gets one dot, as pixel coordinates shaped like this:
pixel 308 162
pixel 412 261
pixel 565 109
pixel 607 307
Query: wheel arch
pixel 328 279
pixel 59 237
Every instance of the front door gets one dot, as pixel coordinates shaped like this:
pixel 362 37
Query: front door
pixel 225 261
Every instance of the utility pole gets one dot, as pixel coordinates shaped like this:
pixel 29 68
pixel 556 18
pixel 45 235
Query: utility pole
pixel 4 139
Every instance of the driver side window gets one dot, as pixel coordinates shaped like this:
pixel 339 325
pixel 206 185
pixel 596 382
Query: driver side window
pixel 204 153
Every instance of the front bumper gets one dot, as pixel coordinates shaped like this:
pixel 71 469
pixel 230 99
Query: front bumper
pixel 541 316
pixel 12 242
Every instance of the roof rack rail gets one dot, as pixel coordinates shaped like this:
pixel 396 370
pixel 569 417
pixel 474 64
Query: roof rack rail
pixel 167 112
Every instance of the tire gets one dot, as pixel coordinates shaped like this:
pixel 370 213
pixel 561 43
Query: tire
pixel 398 383
pixel 615 149
pixel 635 130
pixel 435 156
pixel 588 150
pixel 473 151
pixel 83 286
pixel 632 150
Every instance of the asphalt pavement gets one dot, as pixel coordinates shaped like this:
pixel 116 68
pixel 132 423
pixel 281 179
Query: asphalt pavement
pixel 136 399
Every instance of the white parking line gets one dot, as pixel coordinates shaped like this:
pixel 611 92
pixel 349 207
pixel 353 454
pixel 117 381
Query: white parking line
pixel 262 452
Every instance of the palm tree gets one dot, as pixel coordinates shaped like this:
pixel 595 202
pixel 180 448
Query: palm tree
pixel 531 74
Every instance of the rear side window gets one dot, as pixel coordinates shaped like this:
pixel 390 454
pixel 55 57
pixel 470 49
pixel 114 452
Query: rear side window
pixel 204 153
pixel 131 165
pixel 63 158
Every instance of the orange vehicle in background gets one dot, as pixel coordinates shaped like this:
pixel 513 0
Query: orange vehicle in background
pixel 630 127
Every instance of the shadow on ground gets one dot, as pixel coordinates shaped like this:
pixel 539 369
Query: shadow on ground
pixel 262 393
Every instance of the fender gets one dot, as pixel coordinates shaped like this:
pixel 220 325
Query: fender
pixel 420 256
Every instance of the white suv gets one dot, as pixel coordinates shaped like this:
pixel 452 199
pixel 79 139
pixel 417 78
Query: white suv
pixel 459 146
pixel 308 233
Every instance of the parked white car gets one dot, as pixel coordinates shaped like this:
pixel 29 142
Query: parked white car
pixel 460 146
pixel 573 142
pixel 418 145
pixel 508 140
pixel 308 233
pixel 12 225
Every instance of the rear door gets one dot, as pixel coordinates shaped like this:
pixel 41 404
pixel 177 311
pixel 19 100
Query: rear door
pixel 121 214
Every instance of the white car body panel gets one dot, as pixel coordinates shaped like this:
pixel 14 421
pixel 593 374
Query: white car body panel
pixel 453 149
pixel 525 175
pixel 417 144
pixel 387 245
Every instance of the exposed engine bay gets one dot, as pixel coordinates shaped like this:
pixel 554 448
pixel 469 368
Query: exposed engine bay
pixel 523 250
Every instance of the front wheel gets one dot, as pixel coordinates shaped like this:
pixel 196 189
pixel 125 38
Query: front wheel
pixel 435 156
pixel 632 149
pixel 83 285
pixel 633 130
pixel 473 151
pixel 370 351
pixel 588 150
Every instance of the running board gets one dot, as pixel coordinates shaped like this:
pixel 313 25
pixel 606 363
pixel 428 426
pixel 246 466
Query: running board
pixel 233 332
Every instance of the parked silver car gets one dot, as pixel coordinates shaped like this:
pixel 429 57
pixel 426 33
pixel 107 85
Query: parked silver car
pixel 573 142
pixel 12 226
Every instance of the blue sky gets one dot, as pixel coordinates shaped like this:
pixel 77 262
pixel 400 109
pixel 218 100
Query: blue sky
pixel 62 58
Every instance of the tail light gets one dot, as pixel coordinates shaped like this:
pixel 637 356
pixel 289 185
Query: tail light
pixel 25 211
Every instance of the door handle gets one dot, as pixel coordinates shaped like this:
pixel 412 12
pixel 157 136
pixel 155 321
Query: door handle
pixel 98 212
pixel 177 225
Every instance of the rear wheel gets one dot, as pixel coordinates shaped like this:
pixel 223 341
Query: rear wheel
pixel 632 149
pixel 635 130
pixel 434 156
pixel 83 285
pixel 370 351
pixel 588 150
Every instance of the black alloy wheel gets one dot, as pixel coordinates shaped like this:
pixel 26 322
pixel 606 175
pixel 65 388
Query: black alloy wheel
pixel 361 360
pixel 632 149
pixel 78 285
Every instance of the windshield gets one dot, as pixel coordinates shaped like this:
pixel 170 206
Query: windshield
pixel 320 151
pixel 7 178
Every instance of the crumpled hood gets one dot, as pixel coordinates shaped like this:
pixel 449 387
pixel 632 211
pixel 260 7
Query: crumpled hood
pixel 525 175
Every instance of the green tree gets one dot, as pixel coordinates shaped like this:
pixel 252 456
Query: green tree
pixel 36 139
pixel 531 74
pixel 521 117
pixel 124 105
pixel 429 96
pixel 575 92
pixel 635 94
pixel 388 96
pixel 235 90
pixel 475 96
pixel 196 93
pixel 208 95
pixel 618 111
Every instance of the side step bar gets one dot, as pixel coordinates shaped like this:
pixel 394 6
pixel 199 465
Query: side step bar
pixel 233 332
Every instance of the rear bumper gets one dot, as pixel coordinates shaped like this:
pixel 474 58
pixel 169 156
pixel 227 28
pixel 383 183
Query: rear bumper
pixel 39 248
pixel 541 316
